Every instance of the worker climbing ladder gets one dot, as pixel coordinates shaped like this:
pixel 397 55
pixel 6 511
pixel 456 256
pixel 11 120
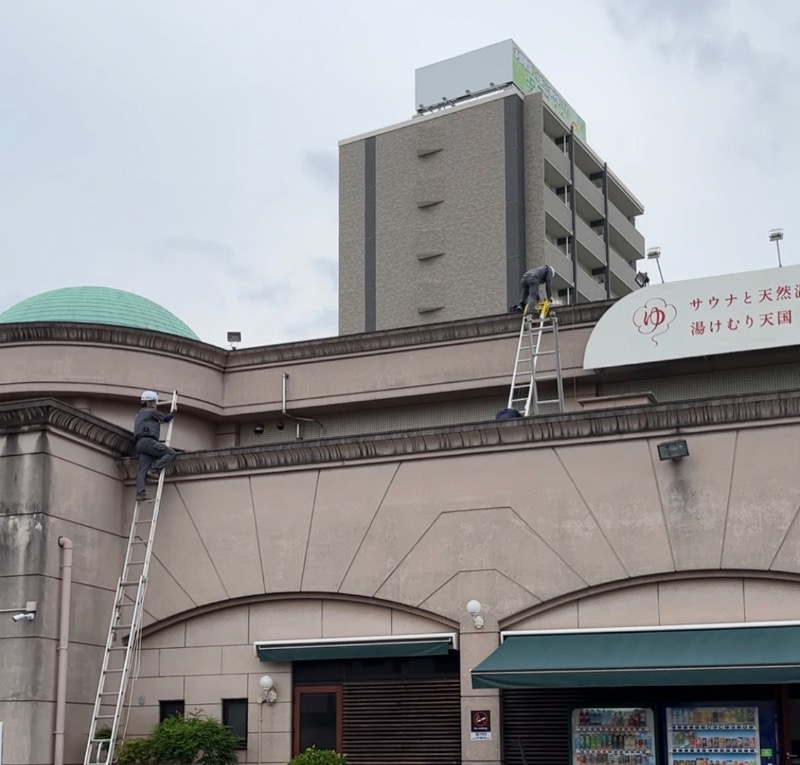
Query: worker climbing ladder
pixel 122 641
pixel 525 394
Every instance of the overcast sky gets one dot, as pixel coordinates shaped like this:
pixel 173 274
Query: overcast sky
pixel 186 150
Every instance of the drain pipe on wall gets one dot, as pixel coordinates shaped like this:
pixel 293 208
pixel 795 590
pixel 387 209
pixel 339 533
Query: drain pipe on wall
pixel 298 420
pixel 63 649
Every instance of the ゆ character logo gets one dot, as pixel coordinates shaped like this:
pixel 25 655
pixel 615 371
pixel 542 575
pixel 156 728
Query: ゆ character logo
pixel 654 318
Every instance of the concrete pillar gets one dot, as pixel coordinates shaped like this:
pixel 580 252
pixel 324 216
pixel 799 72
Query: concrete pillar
pixel 475 646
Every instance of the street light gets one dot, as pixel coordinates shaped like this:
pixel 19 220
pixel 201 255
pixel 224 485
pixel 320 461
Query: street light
pixel 654 253
pixel 776 235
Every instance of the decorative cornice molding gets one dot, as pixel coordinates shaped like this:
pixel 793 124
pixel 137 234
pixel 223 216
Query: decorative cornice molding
pixel 464 329
pixel 595 424
pixel 97 334
pixel 22 416
pixel 282 597
pixel 467 329
pixel 48 413
pixel 509 622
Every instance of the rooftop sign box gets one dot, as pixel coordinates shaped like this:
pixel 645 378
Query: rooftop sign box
pixel 699 317
pixel 492 67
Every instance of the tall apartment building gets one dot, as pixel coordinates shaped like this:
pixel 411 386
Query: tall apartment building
pixel 440 215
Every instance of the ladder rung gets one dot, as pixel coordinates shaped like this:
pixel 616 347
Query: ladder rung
pixel 129 584
pixel 550 401
pixel 123 626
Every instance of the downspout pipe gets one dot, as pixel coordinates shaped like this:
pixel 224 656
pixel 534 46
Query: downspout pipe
pixel 285 413
pixel 63 649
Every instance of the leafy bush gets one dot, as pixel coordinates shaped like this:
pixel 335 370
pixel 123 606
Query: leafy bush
pixel 135 751
pixel 182 740
pixel 314 756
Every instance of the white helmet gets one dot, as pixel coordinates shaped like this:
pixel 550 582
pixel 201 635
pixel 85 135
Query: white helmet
pixel 149 395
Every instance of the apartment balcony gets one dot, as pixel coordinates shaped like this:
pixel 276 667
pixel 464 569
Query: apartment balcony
pixel 588 288
pixel 560 262
pixel 589 198
pixel 557 161
pixel 622 198
pixel 624 237
pixel 559 213
pixel 591 248
pixel 623 277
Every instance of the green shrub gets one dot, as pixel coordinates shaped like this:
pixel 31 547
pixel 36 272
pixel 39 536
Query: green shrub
pixel 314 756
pixel 135 751
pixel 178 740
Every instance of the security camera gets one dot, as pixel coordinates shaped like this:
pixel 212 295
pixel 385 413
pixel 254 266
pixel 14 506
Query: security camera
pixel 258 429
pixel 280 426
pixel 23 617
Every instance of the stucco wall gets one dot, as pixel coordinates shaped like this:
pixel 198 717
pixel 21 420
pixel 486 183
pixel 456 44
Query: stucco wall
pixel 537 531
pixel 696 600
pixel 514 528
pixel 53 486
pixel 210 657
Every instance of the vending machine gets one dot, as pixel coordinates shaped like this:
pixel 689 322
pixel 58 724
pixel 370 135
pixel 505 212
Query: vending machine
pixel 613 736
pixel 723 734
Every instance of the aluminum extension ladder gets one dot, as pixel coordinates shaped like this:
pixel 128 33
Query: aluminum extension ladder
pixel 125 626
pixel 524 395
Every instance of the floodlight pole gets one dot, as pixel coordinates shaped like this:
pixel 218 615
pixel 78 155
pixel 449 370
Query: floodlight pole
pixel 775 236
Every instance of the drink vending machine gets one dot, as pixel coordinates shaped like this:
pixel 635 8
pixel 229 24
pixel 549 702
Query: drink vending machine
pixel 678 734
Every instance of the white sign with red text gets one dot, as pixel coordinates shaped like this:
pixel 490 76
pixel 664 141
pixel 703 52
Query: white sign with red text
pixel 699 317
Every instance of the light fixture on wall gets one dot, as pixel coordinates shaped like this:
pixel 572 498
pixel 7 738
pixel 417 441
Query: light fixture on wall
pixel 673 450
pixel 268 692
pixel 641 278
pixel 474 610
pixel 234 338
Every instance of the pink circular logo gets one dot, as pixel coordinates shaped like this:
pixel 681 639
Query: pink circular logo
pixel 654 318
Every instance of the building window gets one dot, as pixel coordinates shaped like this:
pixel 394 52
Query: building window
pixel 169 709
pixel 234 715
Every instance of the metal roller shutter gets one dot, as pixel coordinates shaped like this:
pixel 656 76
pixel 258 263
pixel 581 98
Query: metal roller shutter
pixel 539 723
pixel 402 723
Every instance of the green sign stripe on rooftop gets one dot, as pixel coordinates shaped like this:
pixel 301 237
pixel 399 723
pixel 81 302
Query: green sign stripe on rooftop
pixel 96 305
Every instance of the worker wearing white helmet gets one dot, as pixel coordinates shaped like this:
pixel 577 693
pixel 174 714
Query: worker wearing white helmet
pixel 153 454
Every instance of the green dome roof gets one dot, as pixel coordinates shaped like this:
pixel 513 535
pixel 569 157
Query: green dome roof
pixel 96 305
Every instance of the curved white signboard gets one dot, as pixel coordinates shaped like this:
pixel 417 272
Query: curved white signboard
pixel 699 317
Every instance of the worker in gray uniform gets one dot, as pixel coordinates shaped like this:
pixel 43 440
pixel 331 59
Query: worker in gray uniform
pixel 154 455
pixel 530 282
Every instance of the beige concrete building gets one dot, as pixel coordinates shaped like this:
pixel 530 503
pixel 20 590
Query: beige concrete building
pixel 338 553
pixel 439 216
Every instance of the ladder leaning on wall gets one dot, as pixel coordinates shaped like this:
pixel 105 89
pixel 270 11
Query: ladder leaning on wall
pixel 124 630
pixel 525 394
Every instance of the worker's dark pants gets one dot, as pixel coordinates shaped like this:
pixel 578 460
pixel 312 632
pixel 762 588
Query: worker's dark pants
pixel 530 291
pixel 153 455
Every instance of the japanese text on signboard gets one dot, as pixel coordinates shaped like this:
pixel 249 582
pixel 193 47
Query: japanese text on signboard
pixel 767 307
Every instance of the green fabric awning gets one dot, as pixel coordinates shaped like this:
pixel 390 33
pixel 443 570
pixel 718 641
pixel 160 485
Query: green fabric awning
pixel 724 656
pixel 389 647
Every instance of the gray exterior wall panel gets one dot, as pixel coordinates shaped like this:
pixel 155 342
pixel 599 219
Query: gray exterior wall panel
pixel 469 279
pixel 351 238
